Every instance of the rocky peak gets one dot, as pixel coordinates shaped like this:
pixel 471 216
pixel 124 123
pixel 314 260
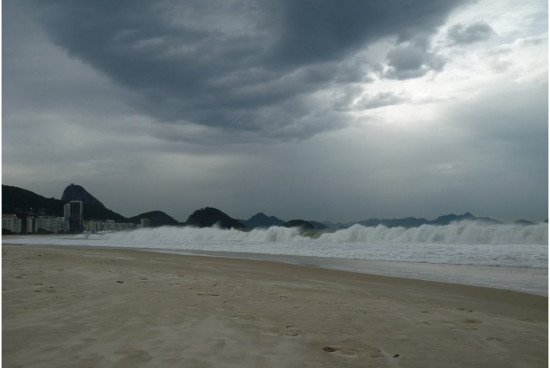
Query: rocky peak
pixel 77 193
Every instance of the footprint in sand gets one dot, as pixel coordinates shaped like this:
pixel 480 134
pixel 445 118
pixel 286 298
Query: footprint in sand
pixel 288 331
pixel 498 339
pixel 372 351
pixel 292 331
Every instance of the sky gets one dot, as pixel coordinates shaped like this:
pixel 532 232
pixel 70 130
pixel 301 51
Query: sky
pixel 320 110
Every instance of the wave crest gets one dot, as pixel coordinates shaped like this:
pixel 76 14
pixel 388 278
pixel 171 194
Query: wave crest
pixel 464 232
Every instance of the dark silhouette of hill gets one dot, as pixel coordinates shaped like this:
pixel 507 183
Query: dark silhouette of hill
pixel 93 212
pixel 17 200
pixel 207 217
pixel 447 219
pixel 303 224
pixel 409 222
pixel 263 221
pixel 318 225
pixel 524 222
pixel 24 202
pixel 78 193
pixel 156 218
pixel 93 208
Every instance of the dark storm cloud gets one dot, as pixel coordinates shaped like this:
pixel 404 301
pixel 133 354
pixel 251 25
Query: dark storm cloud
pixel 245 67
pixel 325 30
pixel 461 35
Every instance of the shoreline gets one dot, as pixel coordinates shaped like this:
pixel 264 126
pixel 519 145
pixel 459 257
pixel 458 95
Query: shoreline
pixel 522 279
pixel 528 280
pixel 120 307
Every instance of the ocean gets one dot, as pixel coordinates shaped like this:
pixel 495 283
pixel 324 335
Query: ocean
pixel 507 256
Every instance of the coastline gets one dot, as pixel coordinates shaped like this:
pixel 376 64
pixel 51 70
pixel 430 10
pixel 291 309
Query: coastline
pixel 527 279
pixel 122 307
pixel 521 279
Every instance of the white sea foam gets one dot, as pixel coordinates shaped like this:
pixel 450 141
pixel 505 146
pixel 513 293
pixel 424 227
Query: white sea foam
pixel 462 243
pixel 465 232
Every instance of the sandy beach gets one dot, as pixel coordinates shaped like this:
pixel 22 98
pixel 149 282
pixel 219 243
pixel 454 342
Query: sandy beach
pixel 90 307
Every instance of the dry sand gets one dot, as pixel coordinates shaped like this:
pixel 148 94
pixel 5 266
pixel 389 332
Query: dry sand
pixel 89 307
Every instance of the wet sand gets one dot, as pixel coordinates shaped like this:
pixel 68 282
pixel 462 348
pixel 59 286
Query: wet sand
pixel 90 307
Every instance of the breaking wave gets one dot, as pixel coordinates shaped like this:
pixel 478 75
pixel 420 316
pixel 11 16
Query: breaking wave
pixel 465 232
pixel 455 233
pixel 187 235
pixel 461 243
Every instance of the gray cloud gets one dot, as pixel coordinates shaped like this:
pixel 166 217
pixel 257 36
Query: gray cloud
pixel 462 35
pixel 241 67
pixel 321 30
pixel 412 60
pixel 379 100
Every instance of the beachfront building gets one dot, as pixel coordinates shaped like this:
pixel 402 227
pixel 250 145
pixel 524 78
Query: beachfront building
pixel 107 225
pixel 49 224
pixel 94 226
pixel 31 224
pixel 110 225
pixel 144 222
pixel 11 223
pixel 76 221
pixel 124 226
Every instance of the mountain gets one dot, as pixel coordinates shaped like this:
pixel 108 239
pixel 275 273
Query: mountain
pixel 447 219
pixel 337 225
pixel 17 200
pixel 317 225
pixel 156 218
pixel 408 222
pixel 262 220
pixel 24 202
pixel 488 220
pixel 207 217
pixel 93 208
pixel 299 223
pixel 524 222
pixel 77 193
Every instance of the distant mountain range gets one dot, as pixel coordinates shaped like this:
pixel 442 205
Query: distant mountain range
pixel 408 222
pixel 25 203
